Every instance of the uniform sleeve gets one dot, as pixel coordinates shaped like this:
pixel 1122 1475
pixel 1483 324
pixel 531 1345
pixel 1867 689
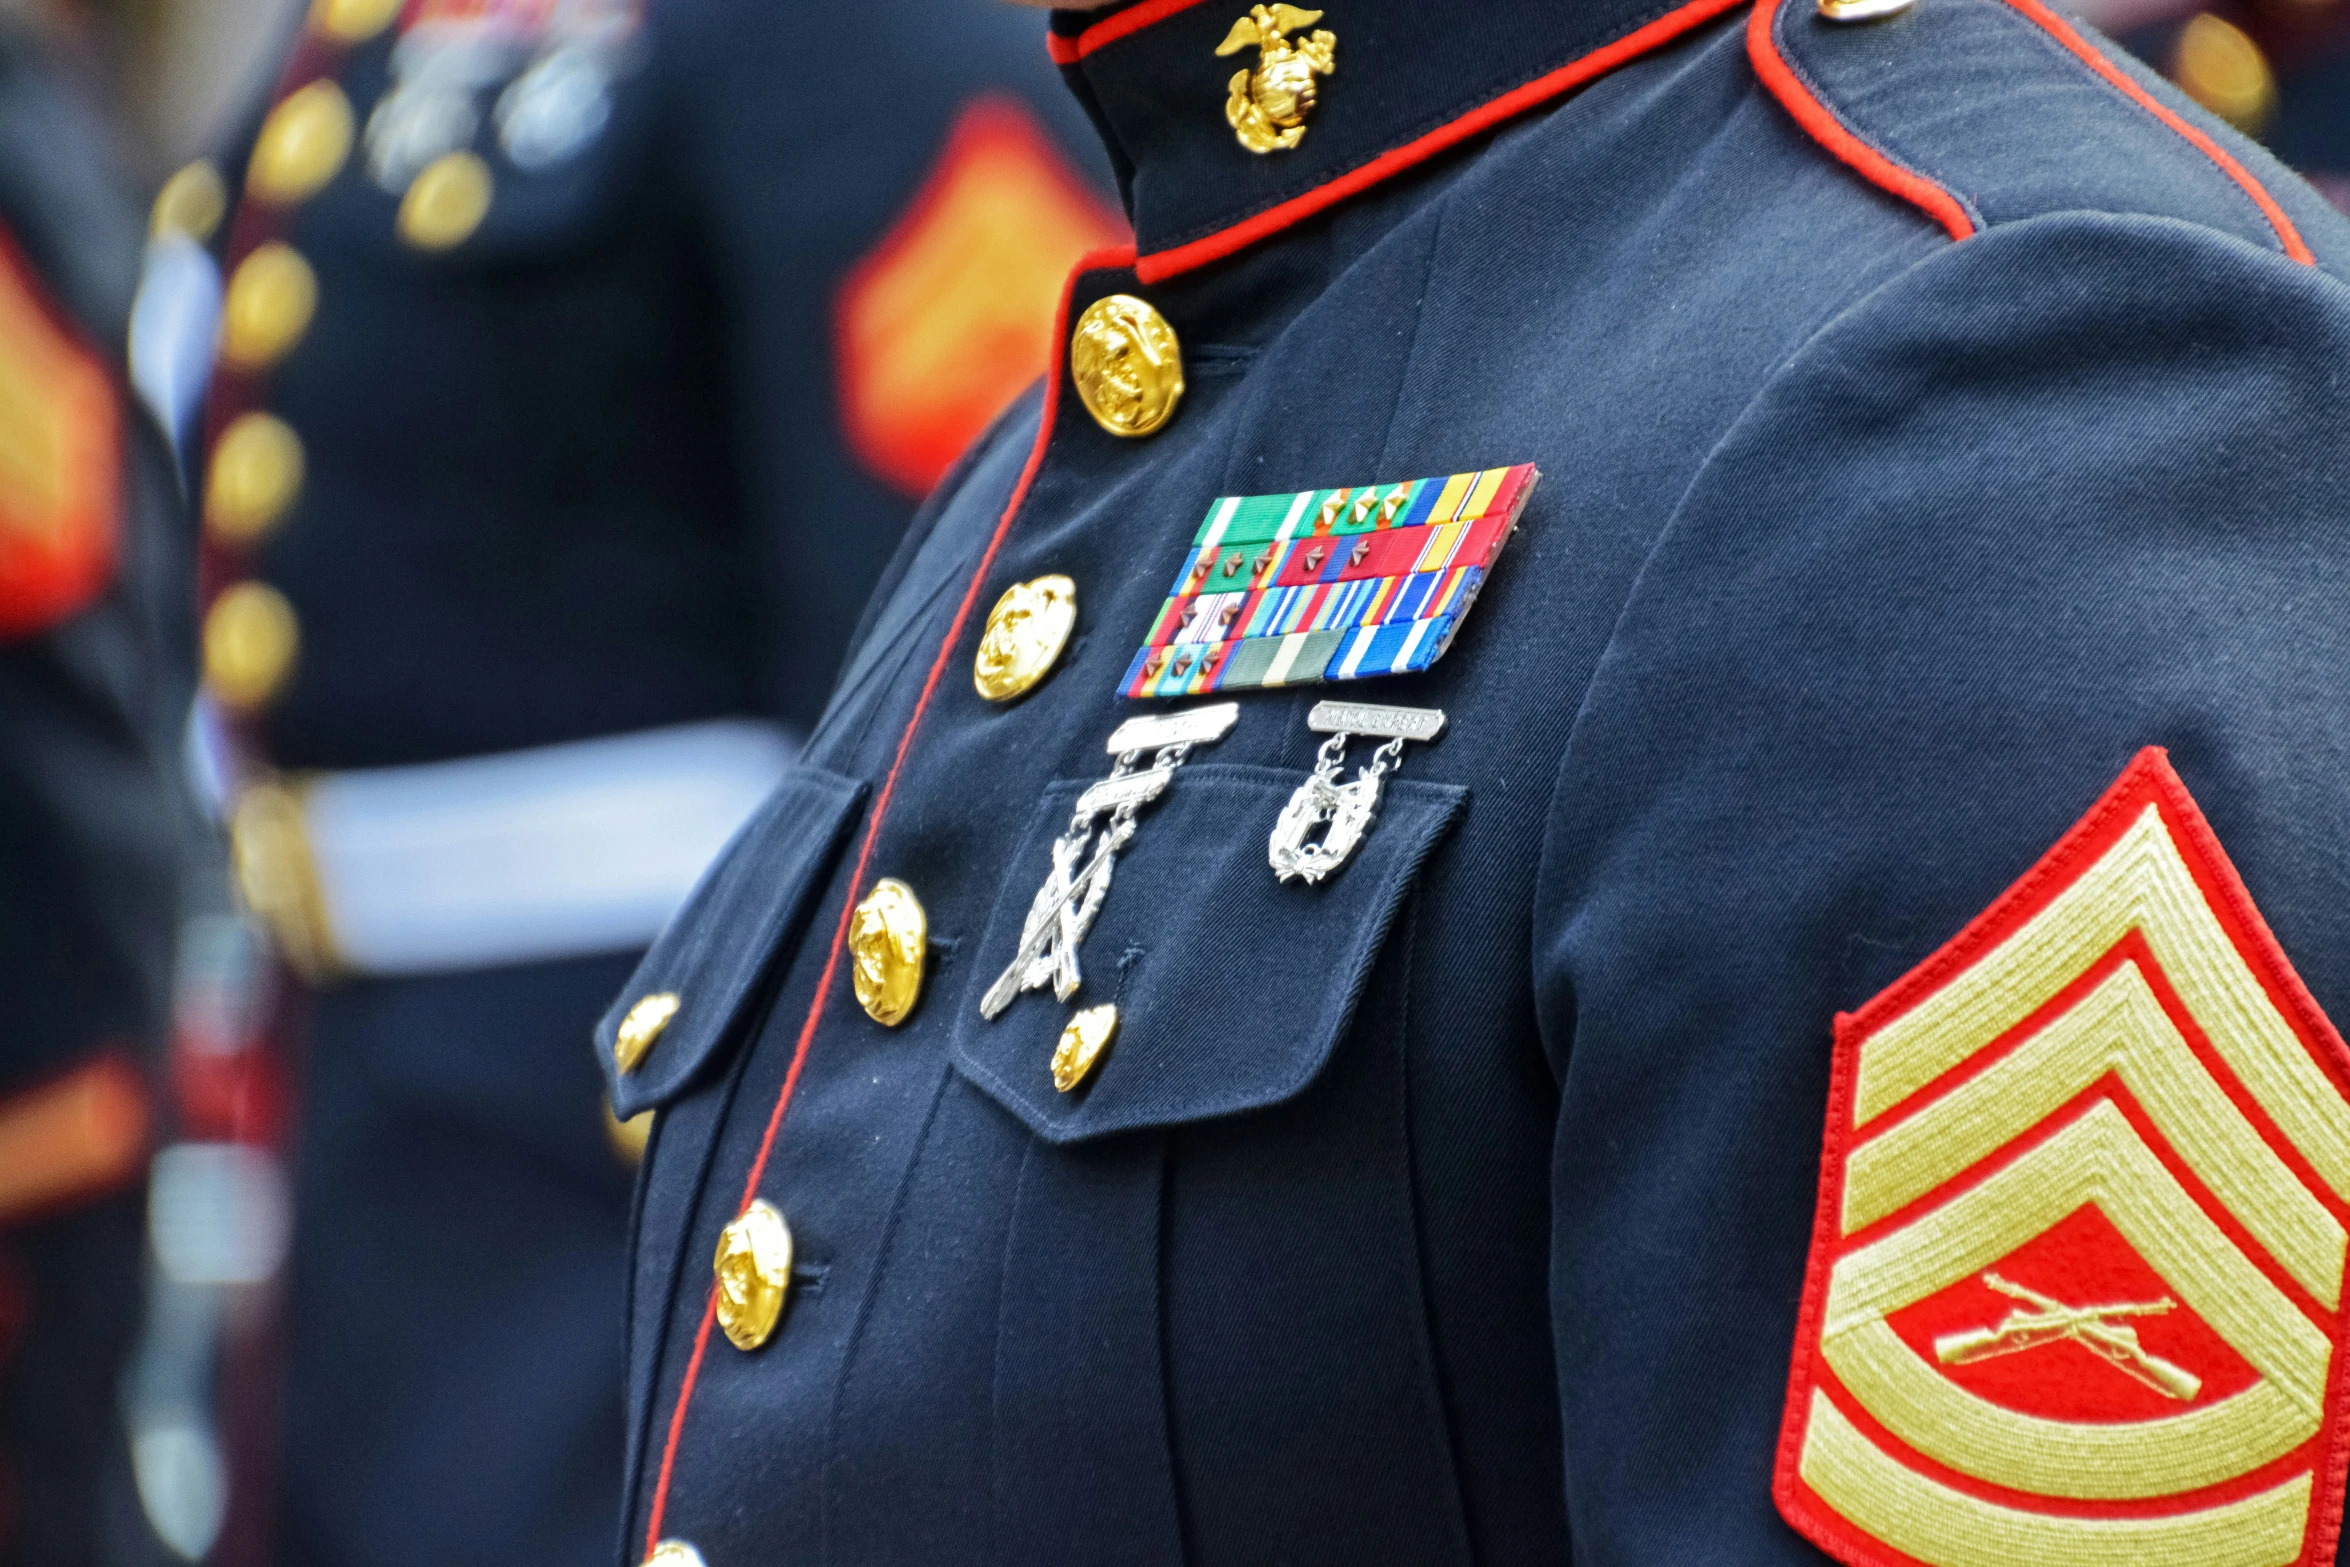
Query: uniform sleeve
pixel 2060 493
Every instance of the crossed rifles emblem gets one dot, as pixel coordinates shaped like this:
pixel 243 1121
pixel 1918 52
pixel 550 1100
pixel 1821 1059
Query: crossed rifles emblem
pixel 2043 1319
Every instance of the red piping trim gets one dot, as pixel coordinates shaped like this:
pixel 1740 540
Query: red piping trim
pixel 1762 48
pixel 1068 51
pixel 1871 165
pixel 1160 265
pixel 2062 31
pixel 1094 261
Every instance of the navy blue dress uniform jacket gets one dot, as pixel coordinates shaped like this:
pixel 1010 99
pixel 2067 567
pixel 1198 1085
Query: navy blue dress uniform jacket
pixel 581 471
pixel 93 684
pixel 1935 413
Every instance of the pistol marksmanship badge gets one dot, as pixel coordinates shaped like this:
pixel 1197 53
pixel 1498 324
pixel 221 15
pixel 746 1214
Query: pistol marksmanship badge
pixel 1342 813
pixel 1344 584
pixel 2075 1292
pixel 1267 107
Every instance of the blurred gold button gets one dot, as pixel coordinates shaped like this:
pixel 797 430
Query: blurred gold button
pixel 1084 1039
pixel 352 21
pixel 446 202
pixel 1025 634
pixel 641 1027
pixel 192 202
pixel 1127 365
pixel 256 472
pixel 302 145
pixel 270 299
pixel 754 1274
pixel 889 942
pixel 2220 67
pixel 628 1138
pixel 674 1553
pixel 250 638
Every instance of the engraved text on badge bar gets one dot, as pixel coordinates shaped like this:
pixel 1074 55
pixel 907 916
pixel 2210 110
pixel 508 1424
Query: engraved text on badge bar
pixel 1369 720
pixel 1192 726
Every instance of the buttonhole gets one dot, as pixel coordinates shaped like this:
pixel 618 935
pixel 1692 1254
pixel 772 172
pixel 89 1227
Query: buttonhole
pixel 1219 359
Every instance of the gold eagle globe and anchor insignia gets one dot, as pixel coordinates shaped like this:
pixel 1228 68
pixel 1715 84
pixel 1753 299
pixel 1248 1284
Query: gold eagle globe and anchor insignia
pixel 1267 107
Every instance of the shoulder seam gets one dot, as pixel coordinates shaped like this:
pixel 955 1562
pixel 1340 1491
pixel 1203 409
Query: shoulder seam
pixel 1957 216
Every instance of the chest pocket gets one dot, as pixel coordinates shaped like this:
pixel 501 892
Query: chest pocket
pixel 752 904
pixel 1232 988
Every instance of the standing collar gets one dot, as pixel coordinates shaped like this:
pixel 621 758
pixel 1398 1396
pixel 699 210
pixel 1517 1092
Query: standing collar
pixel 1411 78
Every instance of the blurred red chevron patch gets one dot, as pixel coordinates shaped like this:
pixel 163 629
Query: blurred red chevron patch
pixel 949 318
pixel 60 459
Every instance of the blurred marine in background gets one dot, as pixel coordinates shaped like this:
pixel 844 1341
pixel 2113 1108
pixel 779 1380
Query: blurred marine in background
pixel 579 363
pixel 2277 70
pixel 92 687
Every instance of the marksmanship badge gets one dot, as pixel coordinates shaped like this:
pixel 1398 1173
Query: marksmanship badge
pixel 2075 1292
pixel 1342 812
pixel 1344 584
pixel 1086 854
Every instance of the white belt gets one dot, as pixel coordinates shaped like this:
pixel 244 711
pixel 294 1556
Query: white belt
pixel 521 857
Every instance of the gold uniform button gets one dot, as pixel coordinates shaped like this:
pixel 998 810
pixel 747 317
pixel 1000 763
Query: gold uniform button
pixel 271 297
pixel 446 202
pixel 674 1553
pixel 889 943
pixel 352 21
pixel 302 145
pixel 754 1274
pixel 1025 634
pixel 628 1138
pixel 191 203
pixel 1127 364
pixel 250 638
pixel 1084 1040
pixel 256 472
pixel 1862 10
pixel 641 1027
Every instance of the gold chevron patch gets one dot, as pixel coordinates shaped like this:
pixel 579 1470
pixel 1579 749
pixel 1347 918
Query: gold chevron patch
pixel 2076 1285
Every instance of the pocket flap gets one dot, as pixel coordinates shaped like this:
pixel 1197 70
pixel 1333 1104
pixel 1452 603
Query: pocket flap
pixel 1232 987
pixel 749 905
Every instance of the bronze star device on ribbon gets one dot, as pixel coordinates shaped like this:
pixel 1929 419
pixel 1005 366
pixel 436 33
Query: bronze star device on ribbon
pixel 1344 584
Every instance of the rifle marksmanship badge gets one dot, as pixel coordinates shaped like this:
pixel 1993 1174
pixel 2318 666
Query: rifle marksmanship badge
pixel 1344 584
pixel 1085 856
pixel 2075 1293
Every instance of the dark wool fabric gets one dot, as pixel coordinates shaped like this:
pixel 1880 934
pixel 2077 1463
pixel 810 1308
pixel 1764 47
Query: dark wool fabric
pixel 1456 1209
pixel 90 806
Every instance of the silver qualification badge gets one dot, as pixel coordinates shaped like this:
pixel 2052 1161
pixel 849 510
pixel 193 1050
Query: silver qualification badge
pixel 1064 907
pixel 1342 812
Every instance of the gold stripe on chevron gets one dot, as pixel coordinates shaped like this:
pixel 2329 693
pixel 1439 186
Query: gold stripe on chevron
pixel 2117 1027
pixel 2099 1159
pixel 2140 883
pixel 1944 1527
